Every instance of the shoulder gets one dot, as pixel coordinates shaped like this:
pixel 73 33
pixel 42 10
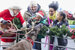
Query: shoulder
pixel 5 11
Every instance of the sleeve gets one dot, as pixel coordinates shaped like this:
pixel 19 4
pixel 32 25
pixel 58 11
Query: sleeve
pixel 20 18
pixel 3 13
pixel 54 23
pixel 26 16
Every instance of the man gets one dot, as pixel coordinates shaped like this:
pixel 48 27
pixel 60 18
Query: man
pixel 32 9
pixel 10 14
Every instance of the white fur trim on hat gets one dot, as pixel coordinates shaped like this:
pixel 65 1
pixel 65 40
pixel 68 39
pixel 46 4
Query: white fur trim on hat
pixel 16 7
pixel 11 13
pixel 39 14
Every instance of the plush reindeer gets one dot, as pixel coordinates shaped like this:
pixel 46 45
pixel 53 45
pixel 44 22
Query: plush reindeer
pixel 31 34
pixel 21 45
pixel 24 44
pixel 6 27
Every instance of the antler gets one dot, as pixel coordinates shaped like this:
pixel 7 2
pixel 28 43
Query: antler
pixel 33 24
pixel 12 24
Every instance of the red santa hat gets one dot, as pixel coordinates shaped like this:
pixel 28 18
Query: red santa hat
pixel 40 13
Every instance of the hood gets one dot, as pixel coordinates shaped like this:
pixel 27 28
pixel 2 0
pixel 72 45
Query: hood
pixel 29 10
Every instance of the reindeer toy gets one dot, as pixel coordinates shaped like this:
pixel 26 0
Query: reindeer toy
pixel 7 30
pixel 24 44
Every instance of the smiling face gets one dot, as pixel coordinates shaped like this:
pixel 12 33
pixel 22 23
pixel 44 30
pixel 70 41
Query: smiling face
pixel 37 18
pixel 16 11
pixel 33 8
pixel 59 17
pixel 51 11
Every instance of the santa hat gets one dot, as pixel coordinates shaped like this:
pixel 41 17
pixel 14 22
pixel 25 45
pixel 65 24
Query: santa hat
pixel 40 13
pixel 16 7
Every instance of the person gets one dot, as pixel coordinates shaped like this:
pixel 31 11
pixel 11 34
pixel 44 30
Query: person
pixel 38 24
pixel 9 15
pixel 32 9
pixel 60 20
pixel 52 12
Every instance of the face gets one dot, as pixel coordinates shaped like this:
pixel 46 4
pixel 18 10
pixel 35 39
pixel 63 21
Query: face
pixel 59 17
pixel 33 8
pixel 51 11
pixel 38 18
pixel 16 11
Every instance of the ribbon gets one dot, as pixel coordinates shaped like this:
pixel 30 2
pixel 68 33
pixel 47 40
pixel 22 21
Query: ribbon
pixel 48 20
pixel 46 40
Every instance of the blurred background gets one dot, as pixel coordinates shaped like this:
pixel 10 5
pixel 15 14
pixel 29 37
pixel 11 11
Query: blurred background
pixel 63 4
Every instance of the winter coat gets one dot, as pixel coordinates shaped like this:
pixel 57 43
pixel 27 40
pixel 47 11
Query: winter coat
pixel 7 16
pixel 29 14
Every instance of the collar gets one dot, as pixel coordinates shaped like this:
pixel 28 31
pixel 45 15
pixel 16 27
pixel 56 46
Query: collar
pixel 11 13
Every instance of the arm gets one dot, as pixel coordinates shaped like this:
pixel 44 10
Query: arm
pixel 3 13
pixel 26 16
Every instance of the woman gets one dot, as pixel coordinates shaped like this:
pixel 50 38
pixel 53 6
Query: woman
pixel 52 12
pixel 32 9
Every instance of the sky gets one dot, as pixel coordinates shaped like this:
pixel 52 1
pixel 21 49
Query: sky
pixel 63 4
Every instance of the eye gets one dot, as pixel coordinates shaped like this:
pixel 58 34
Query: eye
pixel 50 11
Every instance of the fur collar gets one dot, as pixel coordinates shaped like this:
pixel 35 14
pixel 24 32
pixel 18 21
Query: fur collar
pixel 12 13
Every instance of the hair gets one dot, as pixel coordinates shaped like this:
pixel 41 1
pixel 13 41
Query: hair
pixel 63 14
pixel 54 5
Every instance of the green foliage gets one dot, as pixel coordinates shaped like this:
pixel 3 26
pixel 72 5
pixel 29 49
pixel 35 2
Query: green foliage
pixel 43 31
pixel 55 31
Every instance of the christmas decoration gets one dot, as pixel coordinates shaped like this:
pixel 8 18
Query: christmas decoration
pixel 55 31
pixel 73 35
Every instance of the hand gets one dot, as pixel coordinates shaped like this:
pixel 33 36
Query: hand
pixel 50 25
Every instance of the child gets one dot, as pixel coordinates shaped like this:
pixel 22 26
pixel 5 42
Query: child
pixel 38 24
pixel 60 20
